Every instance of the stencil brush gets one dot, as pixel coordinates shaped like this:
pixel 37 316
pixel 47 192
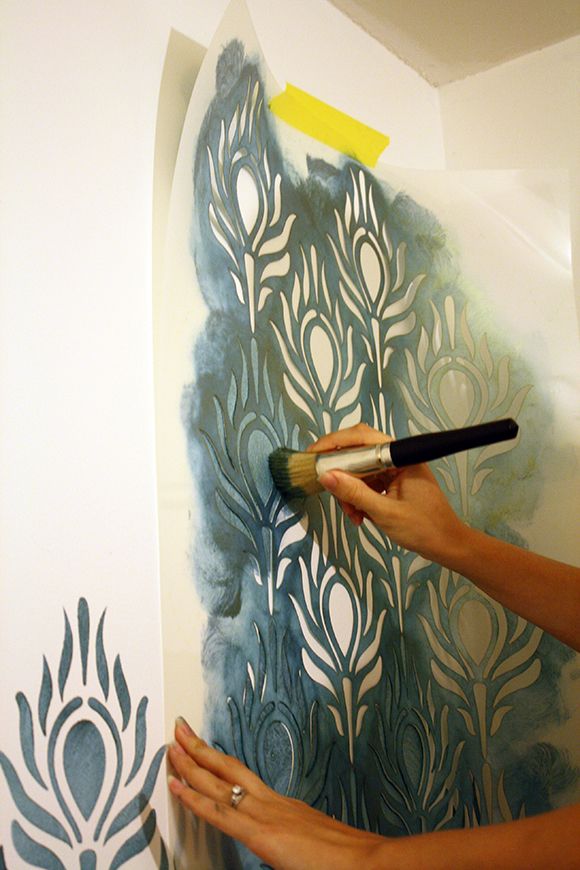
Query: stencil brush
pixel 297 474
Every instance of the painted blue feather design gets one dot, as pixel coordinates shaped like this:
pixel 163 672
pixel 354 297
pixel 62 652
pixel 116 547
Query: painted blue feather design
pixel 90 776
pixel 334 297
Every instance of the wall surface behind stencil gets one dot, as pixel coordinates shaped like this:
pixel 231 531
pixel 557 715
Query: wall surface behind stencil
pixel 525 114
pixel 79 87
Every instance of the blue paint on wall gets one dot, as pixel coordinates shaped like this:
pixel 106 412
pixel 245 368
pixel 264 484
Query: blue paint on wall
pixel 344 670
pixel 106 777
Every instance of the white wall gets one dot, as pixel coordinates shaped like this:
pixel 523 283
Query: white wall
pixel 79 88
pixel 312 45
pixel 524 114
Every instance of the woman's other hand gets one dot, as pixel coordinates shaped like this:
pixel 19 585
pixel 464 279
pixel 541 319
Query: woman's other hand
pixel 286 833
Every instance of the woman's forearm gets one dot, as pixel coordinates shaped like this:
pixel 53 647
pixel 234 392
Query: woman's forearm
pixel 416 515
pixel 544 841
pixel 541 590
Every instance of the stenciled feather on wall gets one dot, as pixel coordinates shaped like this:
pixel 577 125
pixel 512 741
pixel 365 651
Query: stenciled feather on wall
pixel 82 782
pixel 346 671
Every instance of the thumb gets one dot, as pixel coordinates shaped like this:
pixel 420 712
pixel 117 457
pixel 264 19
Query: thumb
pixel 356 492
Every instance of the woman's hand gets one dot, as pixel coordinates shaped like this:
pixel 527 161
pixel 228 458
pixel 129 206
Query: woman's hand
pixel 289 835
pixel 286 833
pixel 407 504
pixel 410 508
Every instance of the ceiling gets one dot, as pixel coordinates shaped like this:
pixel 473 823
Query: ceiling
pixel 446 40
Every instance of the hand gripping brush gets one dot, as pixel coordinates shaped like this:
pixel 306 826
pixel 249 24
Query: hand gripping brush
pixel 297 474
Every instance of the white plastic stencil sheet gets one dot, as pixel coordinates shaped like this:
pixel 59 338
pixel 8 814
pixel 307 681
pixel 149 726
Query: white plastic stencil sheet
pixel 305 293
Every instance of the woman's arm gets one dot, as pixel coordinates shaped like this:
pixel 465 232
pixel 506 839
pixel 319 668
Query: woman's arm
pixel 409 506
pixel 549 840
pixel 542 590
pixel 289 835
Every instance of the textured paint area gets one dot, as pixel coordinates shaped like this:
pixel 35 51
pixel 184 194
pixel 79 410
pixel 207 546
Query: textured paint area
pixel 84 765
pixel 345 670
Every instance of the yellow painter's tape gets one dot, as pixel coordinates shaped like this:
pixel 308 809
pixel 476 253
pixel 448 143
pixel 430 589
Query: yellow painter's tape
pixel 329 125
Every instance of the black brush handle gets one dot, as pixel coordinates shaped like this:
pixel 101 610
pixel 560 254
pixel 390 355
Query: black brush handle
pixel 424 448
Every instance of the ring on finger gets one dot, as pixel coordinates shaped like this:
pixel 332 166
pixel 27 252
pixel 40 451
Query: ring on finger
pixel 237 794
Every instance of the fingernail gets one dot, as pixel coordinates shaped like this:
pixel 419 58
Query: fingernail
pixel 181 723
pixel 329 481
pixel 174 784
pixel 177 748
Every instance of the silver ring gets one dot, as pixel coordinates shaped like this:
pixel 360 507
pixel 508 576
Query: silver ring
pixel 237 794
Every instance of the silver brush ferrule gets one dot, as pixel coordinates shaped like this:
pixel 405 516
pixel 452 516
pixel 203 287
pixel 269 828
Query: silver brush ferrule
pixel 361 461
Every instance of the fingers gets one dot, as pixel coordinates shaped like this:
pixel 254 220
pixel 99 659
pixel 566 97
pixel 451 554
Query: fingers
pixel 358 496
pixel 354 515
pixel 220 766
pixel 205 782
pixel 355 436
pixel 284 832
pixel 221 815
pixel 200 779
pixel 382 481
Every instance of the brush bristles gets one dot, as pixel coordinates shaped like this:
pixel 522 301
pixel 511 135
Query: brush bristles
pixel 294 473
